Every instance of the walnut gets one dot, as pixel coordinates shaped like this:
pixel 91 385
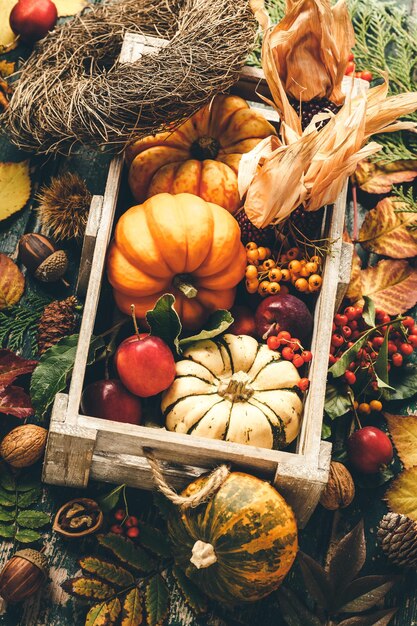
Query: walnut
pixel 340 490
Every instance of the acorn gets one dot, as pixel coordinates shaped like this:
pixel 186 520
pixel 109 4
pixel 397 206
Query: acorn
pixel 41 258
pixel 23 575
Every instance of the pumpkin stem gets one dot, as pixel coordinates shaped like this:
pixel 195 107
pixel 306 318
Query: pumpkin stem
pixel 205 148
pixel 180 283
pixel 237 388
pixel 203 555
pixel 135 324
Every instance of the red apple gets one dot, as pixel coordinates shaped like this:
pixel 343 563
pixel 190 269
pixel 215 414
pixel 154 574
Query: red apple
pixel 110 400
pixel 244 323
pixel 32 19
pixel 368 449
pixel 145 365
pixel 283 312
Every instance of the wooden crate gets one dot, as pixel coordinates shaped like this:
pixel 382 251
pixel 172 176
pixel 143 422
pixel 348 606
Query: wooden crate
pixel 80 447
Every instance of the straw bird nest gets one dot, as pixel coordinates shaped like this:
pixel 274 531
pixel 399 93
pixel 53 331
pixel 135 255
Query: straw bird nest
pixel 72 89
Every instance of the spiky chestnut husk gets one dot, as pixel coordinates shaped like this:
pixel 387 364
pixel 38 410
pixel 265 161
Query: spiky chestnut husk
pixel 312 108
pixel 249 232
pixel 397 535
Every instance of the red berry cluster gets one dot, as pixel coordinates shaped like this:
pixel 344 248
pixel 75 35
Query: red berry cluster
pixel 124 524
pixel 291 349
pixel 348 327
pixel 351 67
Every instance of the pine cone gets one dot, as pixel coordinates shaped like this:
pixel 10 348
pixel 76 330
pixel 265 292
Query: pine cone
pixel 58 320
pixel 397 535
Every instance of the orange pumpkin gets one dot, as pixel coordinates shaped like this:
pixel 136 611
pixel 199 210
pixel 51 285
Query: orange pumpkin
pixel 178 244
pixel 201 156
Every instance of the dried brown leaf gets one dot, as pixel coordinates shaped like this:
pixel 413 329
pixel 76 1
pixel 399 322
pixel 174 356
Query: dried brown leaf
pixel 386 231
pixel 403 430
pixel 14 401
pixel 380 177
pixel 12 282
pixel 392 285
pixel 15 187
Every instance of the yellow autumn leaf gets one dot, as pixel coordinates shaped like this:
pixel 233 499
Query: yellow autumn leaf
pixel 7 36
pixel 132 614
pixel 66 8
pixel 403 430
pixel 12 282
pixel 6 68
pixel 15 187
pixel 379 177
pixel 385 230
pixel 402 495
pixel 392 285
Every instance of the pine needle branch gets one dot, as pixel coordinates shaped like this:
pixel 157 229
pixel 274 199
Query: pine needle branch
pixel 21 322
pixel 408 201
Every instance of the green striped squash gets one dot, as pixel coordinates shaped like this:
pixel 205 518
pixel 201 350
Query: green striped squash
pixel 234 388
pixel 239 546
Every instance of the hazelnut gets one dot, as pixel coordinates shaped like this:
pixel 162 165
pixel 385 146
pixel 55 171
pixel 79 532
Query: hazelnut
pixel 340 489
pixel 41 258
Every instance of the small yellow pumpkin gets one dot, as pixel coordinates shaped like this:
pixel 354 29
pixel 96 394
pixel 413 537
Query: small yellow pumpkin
pixel 201 156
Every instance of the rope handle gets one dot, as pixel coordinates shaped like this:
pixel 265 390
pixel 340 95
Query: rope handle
pixel 213 483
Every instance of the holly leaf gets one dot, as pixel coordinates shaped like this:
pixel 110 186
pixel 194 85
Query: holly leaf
pixel 104 614
pixel 364 593
pixel 7 531
pixel 348 559
pixel 378 618
pixel 154 540
pixel 403 430
pixel 369 311
pixel 132 612
pixel 15 186
pixel 379 178
pixel 12 366
pixel 391 284
pixel 156 601
pixel 294 611
pixel 385 230
pixel 87 588
pixel 66 8
pixel 12 281
pixel 106 571
pixel 217 324
pixel 27 536
pixel 109 501
pixel 381 365
pixel 126 551
pixel 28 497
pixel 7 37
pixel 164 322
pixel 6 516
pixel 192 594
pixel 316 580
pixel 32 519
pixel 54 368
pixel 337 401
pixel 402 494
pixel 404 382
pixel 14 401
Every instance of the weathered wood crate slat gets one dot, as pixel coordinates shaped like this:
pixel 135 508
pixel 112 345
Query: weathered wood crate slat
pixel 81 447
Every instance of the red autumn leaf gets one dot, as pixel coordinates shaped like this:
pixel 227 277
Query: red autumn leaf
pixel 15 401
pixel 379 177
pixel 392 285
pixel 12 366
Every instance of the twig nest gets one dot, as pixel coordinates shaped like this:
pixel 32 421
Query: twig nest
pixel 24 445
pixel 340 490
pixel 78 518
pixel 41 258
pixel 23 575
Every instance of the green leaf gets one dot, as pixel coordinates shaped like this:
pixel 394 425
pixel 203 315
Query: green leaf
pixel 7 516
pixel 337 401
pixel 378 618
pixel 33 519
pixel 316 580
pixel 164 322
pixel 28 498
pixel 7 531
pixel 126 551
pixel 372 481
pixel 404 383
pixel 156 600
pixel 6 499
pixel 109 502
pixel 132 613
pixel 369 311
pixel 192 594
pixel 340 367
pixel 347 560
pixel 217 324
pixel 154 540
pixel 294 611
pixel 104 614
pixel 88 588
pixel 381 364
pixel 364 593
pixel 28 536
pixel 27 482
pixel 326 430
pixel 107 571
pixel 7 481
pixel 54 369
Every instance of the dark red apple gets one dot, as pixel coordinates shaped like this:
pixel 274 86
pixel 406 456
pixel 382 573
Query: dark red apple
pixel 244 323
pixel 368 449
pixel 110 400
pixel 32 19
pixel 283 312
pixel 145 365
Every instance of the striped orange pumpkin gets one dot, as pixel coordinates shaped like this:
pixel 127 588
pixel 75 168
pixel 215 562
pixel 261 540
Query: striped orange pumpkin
pixel 240 545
